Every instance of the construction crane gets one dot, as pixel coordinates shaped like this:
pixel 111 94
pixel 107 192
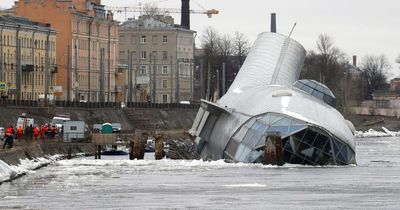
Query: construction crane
pixel 140 9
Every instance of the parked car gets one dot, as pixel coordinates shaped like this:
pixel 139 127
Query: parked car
pixel 97 128
pixel 60 120
pixel 116 127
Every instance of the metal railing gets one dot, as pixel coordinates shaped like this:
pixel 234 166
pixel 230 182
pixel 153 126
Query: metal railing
pixel 30 103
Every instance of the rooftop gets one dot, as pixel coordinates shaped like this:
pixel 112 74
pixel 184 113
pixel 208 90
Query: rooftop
pixel 151 22
pixel 22 21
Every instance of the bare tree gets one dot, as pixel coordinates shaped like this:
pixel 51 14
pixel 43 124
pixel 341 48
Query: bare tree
pixel 375 70
pixel 226 46
pixel 218 49
pixel 330 57
pixel 241 46
pixel 153 11
pixel 210 43
pixel 325 64
pixel 328 65
pixel 311 67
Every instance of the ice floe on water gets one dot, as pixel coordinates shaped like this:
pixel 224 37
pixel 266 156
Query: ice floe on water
pixel 6 172
pixel 245 185
pixel 373 133
pixel 164 164
pixel 9 172
pixel 151 165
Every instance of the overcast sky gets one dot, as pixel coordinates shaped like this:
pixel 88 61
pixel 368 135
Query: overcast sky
pixel 358 27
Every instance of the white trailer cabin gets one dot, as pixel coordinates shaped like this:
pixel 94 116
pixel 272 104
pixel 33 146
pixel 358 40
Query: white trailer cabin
pixel 74 130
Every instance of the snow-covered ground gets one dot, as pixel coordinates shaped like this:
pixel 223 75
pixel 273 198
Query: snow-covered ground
pixel 9 172
pixel 115 182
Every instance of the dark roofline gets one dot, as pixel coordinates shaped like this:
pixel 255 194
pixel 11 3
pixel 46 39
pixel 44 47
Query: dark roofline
pixel 174 27
pixel 81 14
pixel 22 20
pixel 7 20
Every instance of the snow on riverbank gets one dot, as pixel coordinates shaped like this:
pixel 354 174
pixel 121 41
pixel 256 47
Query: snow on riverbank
pixel 9 172
pixel 6 172
pixel 374 133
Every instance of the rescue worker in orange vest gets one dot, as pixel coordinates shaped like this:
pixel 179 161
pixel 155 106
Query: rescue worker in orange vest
pixel 9 137
pixel 20 132
pixel 36 133
pixel 42 131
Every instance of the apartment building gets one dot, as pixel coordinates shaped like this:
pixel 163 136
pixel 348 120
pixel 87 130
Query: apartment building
pixel 159 55
pixel 27 58
pixel 87 45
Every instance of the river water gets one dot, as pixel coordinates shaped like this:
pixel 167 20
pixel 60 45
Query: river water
pixel 118 183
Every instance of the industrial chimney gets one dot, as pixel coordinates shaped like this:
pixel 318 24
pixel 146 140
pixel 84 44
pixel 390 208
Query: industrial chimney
pixel 185 14
pixel 273 22
pixel 354 60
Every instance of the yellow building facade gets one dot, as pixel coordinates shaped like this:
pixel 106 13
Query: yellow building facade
pixel 87 43
pixel 27 59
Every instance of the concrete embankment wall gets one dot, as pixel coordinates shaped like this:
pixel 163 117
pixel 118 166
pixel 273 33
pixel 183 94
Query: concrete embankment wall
pixel 376 122
pixel 129 118
pixel 387 112
pixel 13 157
pixel 149 119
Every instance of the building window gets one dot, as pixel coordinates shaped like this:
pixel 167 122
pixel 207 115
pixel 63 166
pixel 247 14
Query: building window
pixel 164 83
pixel 165 55
pixel 143 55
pixel 165 39
pixel 143 40
pixel 165 70
pixel 143 70
pixel 164 98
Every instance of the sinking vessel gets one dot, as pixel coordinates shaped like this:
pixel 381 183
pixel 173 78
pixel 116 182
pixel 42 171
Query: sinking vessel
pixel 267 98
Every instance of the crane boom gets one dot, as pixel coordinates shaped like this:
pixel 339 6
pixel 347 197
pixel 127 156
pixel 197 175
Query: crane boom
pixel 209 12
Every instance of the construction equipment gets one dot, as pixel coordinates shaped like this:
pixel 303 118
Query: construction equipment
pixel 140 9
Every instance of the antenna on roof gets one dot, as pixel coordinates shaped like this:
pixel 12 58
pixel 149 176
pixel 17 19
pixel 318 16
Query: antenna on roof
pixel 291 31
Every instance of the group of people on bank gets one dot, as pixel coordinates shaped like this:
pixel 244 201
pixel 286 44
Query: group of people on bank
pixel 29 133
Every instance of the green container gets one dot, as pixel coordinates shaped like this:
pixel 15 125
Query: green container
pixel 106 128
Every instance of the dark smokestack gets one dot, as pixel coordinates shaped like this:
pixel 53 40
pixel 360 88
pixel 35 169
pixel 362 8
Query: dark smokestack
pixel 354 60
pixel 273 22
pixel 185 14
